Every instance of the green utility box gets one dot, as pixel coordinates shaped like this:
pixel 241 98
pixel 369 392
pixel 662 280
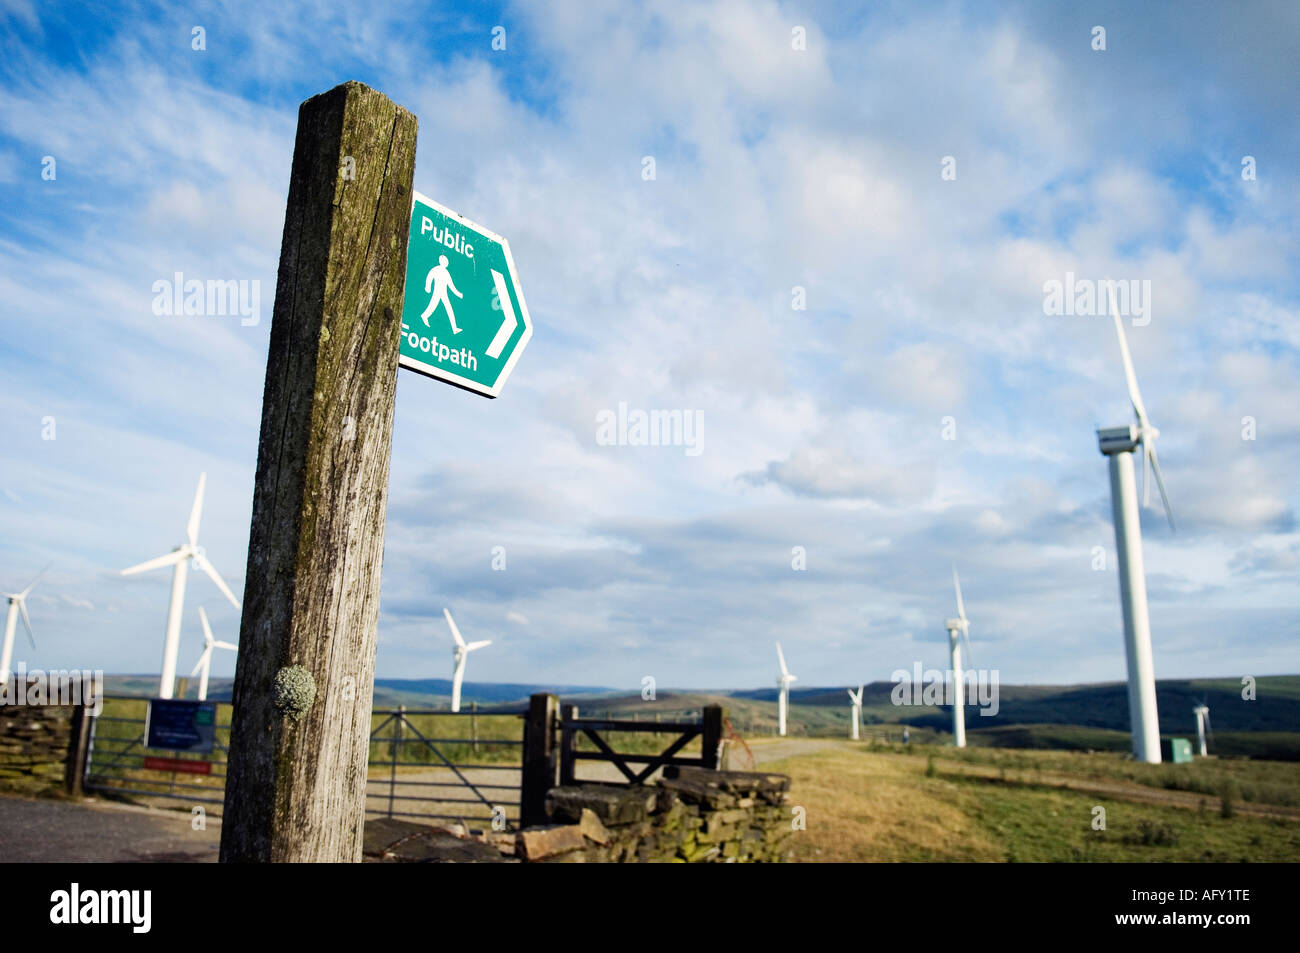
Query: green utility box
pixel 1178 750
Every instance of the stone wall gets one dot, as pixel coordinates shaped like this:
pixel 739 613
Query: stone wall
pixel 34 743
pixel 692 815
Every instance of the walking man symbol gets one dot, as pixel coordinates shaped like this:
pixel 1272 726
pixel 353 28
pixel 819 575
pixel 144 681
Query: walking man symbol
pixel 439 280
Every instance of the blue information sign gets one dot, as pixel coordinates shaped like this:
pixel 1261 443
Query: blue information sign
pixel 175 724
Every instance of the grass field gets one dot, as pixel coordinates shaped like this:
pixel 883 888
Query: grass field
pixel 1019 793
pixel 887 803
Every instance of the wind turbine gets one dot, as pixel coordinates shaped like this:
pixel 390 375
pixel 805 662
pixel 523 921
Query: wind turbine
pixel 958 632
pixel 205 660
pixel 1202 713
pixel 783 696
pixel 459 654
pixel 855 712
pixel 17 606
pixel 179 559
pixel 1118 444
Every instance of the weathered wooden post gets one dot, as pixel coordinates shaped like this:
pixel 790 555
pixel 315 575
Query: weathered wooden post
pixel 74 774
pixel 568 744
pixel 711 737
pixel 540 763
pixel 473 726
pixel 296 782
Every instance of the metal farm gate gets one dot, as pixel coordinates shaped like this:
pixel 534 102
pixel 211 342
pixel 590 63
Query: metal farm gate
pixel 117 762
pixel 478 756
pixel 423 763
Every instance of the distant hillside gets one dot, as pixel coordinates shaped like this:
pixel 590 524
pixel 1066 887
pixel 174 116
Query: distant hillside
pixel 1071 716
pixel 1104 706
pixel 389 692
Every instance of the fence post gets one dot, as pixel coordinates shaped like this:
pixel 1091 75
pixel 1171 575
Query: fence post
pixel 711 739
pixel 473 726
pixel 304 679
pixel 78 742
pixel 568 743
pixel 540 767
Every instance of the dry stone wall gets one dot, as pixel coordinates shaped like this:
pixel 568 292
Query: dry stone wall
pixel 692 815
pixel 34 747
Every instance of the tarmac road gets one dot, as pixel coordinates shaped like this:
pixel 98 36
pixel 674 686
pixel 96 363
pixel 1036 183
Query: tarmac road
pixel 36 831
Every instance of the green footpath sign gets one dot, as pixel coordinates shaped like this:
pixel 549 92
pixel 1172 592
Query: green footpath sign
pixel 464 320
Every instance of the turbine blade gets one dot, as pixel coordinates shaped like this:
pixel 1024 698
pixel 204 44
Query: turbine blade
pixel 211 570
pixel 477 645
pixel 226 645
pixel 170 559
pixel 455 632
pixel 23 594
pixel 1134 394
pixel 202 658
pixel 970 663
pixel 192 529
pixel 207 629
pixel 781 658
pixel 22 609
pixel 1160 483
pixel 1146 476
pixel 956 583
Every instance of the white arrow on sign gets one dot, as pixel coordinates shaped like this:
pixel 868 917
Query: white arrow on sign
pixel 508 322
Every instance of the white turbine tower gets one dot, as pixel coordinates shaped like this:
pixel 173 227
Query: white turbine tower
pixel 855 712
pixel 17 606
pixel 1118 444
pixel 459 654
pixel 958 632
pixel 179 559
pixel 1202 726
pixel 205 660
pixel 783 696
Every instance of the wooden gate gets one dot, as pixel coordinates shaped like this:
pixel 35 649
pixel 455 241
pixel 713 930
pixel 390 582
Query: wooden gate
pixel 572 729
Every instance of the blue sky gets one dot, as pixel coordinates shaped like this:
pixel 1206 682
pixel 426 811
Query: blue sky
pixel 822 428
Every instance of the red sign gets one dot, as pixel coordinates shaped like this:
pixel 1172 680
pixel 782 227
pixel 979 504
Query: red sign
pixel 177 764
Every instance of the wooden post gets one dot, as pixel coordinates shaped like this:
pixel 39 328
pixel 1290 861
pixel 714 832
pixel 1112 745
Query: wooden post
pixel 711 737
pixel 540 763
pixel 74 774
pixel 304 680
pixel 473 726
pixel 568 744
pixel 182 686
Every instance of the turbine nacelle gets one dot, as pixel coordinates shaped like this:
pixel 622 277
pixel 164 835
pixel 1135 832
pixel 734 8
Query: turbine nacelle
pixel 18 601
